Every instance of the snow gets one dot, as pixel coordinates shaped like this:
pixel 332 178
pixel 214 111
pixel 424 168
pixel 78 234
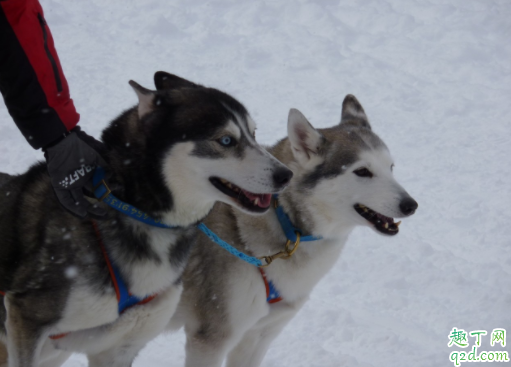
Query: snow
pixel 434 77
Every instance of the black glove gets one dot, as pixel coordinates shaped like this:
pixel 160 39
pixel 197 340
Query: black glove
pixel 71 164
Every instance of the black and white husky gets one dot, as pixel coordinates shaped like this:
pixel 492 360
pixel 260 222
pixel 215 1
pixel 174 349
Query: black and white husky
pixel 183 148
pixel 342 179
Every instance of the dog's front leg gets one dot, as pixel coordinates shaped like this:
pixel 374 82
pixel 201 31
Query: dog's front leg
pixel 201 353
pixel 3 355
pixel 49 356
pixel 207 344
pixel 117 344
pixel 25 334
pixel 121 356
pixel 252 348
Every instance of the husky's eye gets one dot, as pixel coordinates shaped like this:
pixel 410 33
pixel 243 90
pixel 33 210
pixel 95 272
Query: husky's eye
pixel 363 172
pixel 226 141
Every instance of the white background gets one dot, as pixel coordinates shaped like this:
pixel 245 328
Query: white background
pixel 435 79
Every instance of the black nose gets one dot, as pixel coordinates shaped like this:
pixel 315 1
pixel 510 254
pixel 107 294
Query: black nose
pixel 408 206
pixel 282 176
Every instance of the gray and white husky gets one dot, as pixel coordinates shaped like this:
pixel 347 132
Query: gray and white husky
pixel 342 179
pixel 183 148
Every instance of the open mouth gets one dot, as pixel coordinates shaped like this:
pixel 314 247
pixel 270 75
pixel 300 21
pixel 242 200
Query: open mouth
pixel 254 202
pixel 382 223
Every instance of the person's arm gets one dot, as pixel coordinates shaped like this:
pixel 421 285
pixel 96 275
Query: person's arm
pixel 32 82
pixel 37 97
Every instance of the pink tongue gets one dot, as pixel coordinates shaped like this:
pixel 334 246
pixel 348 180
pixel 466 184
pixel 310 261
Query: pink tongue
pixel 264 199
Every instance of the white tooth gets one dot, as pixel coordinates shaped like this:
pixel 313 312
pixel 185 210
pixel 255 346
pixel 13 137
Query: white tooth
pixel 386 225
pixel 256 201
pixel 397 224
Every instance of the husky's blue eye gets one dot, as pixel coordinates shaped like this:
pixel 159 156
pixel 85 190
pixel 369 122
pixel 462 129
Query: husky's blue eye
pixel 226 141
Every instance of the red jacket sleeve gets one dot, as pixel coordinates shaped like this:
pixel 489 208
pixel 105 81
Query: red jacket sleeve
pixel 32 82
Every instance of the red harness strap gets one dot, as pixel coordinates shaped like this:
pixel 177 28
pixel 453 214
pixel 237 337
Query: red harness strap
pixel 114 278
pixel 114 281
pixel 107 260
pixel 272 296
pixel 58 336
pixel 124 296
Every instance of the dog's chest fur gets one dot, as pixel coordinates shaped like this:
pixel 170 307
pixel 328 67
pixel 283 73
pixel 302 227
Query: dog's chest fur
pixel 163 268
pixel 294 278
pixel 145 272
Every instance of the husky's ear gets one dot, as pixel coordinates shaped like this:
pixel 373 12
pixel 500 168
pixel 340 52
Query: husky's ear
pixel 145 99
pixel 305 140
pixel 163 80
pixel 353 113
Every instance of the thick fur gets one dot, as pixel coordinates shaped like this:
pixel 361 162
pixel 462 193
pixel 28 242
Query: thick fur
pixel 223 307
pixel 4 178
pixel 162 154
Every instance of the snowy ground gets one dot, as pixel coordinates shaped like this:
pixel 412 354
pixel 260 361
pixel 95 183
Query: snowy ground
pixel 435 79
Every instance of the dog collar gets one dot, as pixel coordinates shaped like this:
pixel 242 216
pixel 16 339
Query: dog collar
pixel 102 193
pixel 292 233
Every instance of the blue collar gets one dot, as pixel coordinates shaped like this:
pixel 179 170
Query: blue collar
pixel 103 193
pixel 289 229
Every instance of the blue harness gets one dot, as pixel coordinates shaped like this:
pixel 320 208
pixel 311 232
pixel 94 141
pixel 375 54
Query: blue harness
pixel 272 294
pixel 125 299
pixel 103 193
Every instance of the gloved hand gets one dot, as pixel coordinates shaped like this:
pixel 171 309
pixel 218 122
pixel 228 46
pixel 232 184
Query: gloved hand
pixel 71 163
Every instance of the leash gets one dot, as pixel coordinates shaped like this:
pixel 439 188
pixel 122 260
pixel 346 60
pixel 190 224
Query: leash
pixel 240 255
pixel 125 300
pixel 104 194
